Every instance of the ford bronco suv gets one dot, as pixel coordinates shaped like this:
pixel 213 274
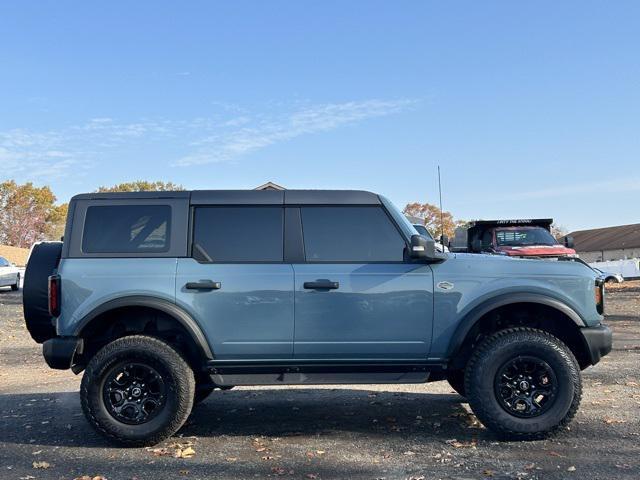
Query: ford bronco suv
pixel 162 297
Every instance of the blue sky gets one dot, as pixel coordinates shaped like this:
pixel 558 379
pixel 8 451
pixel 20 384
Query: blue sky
pixel 531 109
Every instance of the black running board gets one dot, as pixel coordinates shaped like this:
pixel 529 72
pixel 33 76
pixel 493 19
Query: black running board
pixel 231 367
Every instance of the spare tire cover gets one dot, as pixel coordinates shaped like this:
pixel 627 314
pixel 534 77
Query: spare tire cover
pixel 42 262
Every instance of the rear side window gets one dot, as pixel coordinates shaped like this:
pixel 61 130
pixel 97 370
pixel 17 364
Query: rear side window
pixel 238 234
pixel 127 229
pixel 350 234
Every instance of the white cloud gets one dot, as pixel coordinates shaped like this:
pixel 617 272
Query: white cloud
pixel 263 132
pixel 228 133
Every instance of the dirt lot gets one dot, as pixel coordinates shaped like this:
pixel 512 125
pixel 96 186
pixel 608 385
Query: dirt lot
pixel 374 432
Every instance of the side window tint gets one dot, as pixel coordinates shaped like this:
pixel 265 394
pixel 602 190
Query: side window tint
pixel 3 262
pixel 127 229
pixel 238 234
pixel 350 234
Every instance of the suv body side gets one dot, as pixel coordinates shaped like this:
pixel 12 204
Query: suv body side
pixel 382 309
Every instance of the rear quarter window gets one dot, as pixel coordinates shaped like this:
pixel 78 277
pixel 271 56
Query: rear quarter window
pixel 127 229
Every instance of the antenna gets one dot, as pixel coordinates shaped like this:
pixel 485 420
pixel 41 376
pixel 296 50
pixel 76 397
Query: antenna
pixel 441 214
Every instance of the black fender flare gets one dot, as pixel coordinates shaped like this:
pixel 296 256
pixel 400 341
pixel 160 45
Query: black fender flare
pixel 182 317
pixel 471 318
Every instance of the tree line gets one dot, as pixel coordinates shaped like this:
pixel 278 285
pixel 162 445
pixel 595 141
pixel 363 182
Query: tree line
pixel 29 214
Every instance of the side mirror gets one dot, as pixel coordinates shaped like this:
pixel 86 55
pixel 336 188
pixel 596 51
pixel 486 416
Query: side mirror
pixel 422 247
pixel 568 241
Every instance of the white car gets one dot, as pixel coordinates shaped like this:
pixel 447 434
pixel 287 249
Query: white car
pixel 610 277
pixel 9 274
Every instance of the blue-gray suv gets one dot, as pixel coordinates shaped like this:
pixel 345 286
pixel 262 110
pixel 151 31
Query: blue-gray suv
pixel 162 297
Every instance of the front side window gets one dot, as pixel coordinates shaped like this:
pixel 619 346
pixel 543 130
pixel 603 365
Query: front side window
pixel 350 234
pixel 238 234
pixel 127 229
pixel 3 262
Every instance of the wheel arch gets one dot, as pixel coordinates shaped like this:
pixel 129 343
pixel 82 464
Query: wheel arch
pixel 526 309
pixel 109 311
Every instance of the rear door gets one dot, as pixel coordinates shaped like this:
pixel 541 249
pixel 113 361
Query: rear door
pixel 356 297
pixel 236 284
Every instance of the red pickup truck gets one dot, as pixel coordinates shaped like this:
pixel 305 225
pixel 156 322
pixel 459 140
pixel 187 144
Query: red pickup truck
pixel 517 238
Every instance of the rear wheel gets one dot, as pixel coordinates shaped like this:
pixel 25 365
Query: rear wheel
pixel 523 384
pixel 137 391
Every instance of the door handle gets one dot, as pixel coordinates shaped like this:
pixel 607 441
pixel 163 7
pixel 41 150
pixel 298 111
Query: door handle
pixel 203 285
pixel 321 285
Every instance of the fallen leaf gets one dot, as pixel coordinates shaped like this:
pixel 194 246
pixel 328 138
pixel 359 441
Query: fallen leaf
pixel 41 465
pixel 488 473
pixel 456 444
pixel 610 420
pixel 571 469
pixel 186 453
pixel 159 452
pixel 311 476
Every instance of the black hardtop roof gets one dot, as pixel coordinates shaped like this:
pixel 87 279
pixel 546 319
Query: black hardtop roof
pixel 247 197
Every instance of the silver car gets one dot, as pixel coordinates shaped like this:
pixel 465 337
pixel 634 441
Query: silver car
pixel 9 274
pixel 610 277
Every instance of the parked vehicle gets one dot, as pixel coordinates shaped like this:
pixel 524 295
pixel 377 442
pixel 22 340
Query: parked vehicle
pixel 9 274
pixel 162 297
pixel 422 230
pixel 610 277
pixel 514 238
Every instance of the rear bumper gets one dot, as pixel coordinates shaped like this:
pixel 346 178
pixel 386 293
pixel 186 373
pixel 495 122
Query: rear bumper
pixel 58 352
pixel 598 340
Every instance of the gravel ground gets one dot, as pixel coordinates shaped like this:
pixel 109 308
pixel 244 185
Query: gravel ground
pixel 370 432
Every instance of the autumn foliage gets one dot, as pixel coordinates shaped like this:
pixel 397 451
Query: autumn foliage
pixel 29 214
pixel 430 216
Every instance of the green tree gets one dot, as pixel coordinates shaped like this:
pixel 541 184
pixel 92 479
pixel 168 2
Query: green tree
pixel 29 214
pixel 431 218
pixel 142 186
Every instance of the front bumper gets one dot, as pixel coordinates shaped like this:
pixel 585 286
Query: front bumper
pixel 598 340
pixel 58 352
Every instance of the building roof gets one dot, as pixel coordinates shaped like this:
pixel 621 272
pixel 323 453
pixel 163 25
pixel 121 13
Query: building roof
pixel 608 238
pixel 270 186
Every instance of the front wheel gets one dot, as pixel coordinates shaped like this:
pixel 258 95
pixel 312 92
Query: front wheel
pixel 16 285
pixel 137 391
pixel 523 384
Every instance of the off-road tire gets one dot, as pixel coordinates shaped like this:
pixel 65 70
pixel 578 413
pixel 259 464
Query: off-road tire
pixel 175 372
pixel 456 380
pixel 504 346
pixel 16 285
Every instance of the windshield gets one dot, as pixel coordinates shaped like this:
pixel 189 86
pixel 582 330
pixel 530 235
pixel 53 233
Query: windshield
pixel 523 237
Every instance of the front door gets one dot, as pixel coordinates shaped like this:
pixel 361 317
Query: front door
pixel 236 285
pixel 355 296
